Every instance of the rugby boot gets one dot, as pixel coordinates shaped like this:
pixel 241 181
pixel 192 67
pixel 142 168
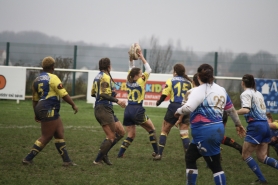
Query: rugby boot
pixel 25 162
pixel 157 157
pixel 258 181
pixel 66 164
pixel 106 160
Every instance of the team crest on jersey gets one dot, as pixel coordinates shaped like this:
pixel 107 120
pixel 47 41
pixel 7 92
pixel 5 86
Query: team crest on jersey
pixel 60 86
pixel 143 77
pixel 104 85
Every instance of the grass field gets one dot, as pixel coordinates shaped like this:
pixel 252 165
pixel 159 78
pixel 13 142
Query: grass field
pixel 18 132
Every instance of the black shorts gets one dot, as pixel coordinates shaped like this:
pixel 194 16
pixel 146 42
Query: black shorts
pixel 47 110
pixel 170 118
pixel 134 115
pixel 104 114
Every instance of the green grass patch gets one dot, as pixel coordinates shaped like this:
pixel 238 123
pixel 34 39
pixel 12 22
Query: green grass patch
pixel 83 135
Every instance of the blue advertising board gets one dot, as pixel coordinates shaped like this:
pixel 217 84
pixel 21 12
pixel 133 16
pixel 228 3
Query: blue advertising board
pixel 268 88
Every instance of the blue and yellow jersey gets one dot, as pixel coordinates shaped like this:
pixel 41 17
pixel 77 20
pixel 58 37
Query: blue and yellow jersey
pixel 102 84
pixel 136 91
pixel 48 86
pixel 176 87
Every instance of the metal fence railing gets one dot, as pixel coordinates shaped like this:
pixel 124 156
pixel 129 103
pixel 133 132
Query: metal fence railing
pixel 227 64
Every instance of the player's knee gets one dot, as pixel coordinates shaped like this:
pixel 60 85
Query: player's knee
pixel 244 156
pixel 214 163
pixel 261 158
pixel 184 133
pixel 131 135
pixel 216 167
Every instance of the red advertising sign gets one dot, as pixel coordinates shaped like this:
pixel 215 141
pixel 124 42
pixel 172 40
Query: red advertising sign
pixel 153 91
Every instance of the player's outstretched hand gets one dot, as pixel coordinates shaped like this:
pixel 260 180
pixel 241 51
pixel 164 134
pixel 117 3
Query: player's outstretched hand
pixel 177 124
pixel 177 114
pixel 75 109
pixel 241 131
pixel 121 103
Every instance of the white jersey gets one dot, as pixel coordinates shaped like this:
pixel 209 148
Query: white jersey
pixel 206 104
pixel 254 101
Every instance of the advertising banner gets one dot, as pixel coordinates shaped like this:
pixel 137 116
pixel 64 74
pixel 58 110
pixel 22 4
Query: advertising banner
pixel 154 87
pixel 12 82
pixel 268 88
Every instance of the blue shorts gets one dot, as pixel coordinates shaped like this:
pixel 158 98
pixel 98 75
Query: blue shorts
pixel 258 132
pixel 208 138
pixel 169 116
pixel 134 115
pixel 115 118
pixel 47 110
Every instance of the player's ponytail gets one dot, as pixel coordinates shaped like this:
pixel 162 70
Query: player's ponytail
pixel 249 81
pixel 103 65
pixel 133 72
pixel 180 70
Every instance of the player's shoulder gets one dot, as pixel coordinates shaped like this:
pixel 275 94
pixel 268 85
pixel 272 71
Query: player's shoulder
pixel 246 92
pixel 106 76
pixel 53 76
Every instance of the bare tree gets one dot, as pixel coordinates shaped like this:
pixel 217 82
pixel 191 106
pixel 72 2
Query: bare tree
pixel 159 57
pixel 65 63
pixel 261 73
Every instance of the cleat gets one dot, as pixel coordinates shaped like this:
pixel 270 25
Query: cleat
pixel 121 156
pixel 97 163
pixel 258 181
pixel 66 164
pixel 106 160
pixel 25 162
pixel 154 154
pixel 157 157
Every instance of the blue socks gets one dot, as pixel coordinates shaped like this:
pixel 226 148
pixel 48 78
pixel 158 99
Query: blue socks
pixel 219 178
pixel 191 176
pixel 255 168
pixel 271 162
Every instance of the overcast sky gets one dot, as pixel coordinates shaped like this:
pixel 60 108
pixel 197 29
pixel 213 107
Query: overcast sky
pixel 201 25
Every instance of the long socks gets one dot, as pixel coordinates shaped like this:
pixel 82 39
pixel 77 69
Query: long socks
pixel 37 147
pixel 153 141
pixel 271 162
pixel 255 168
pixel 124 146
pixel 104 148
pixel 230 142
pixel 162 143
pixel 61 147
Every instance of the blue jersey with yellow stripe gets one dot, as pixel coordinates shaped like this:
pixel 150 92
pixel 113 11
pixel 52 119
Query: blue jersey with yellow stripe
pixel 48 86
pixel 136 90
pixel 176 87
pixel 102 84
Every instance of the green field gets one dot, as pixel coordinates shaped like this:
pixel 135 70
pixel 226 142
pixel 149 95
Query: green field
pixel 18 132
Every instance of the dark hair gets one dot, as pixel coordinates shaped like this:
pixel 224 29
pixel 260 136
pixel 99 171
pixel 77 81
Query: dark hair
pixel 133 72
pixel 205 73
pixel 249 81
pixel 180 70
pixel 269 116
pixel 195 80
pixel 103 65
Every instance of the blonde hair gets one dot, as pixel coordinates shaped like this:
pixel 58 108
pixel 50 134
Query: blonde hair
pixel 48 63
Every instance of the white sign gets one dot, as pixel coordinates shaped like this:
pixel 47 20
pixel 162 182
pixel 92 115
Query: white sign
pixel 12 82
